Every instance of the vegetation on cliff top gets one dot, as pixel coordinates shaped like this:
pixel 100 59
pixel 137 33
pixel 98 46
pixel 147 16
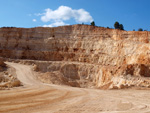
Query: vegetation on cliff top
pixel 118 26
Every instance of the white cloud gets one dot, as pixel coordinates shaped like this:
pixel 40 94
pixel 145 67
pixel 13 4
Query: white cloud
pixel 57 23
pixel 34 20
pixel 38 14
pixel 64 13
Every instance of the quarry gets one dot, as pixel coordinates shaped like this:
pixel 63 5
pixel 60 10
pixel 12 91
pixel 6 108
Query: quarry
pixel 74 69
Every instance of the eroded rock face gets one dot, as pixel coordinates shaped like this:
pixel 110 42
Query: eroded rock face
pixel 90 56
pixel 2 65
pixel 7 79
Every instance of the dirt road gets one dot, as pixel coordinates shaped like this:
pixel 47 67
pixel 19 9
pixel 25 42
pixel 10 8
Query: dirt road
pixel 36 97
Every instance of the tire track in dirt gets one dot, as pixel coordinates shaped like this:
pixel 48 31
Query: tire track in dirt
pixel 36 97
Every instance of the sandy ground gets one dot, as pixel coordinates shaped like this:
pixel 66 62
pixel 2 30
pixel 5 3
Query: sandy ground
pixel 36 97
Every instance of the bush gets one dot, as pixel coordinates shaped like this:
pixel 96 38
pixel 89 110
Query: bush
pixel 140 29
pixel 93 23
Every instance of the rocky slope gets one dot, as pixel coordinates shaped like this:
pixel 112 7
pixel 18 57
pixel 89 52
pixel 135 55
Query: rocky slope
pixel 82 55
pixel 8 77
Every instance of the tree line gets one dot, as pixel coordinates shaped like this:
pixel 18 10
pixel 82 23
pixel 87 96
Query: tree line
pixel 117 25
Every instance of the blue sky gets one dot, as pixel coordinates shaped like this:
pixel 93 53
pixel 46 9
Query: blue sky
pixel 133 14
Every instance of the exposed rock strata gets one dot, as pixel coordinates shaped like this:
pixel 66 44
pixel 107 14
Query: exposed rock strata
pixel 86 55
pixel 2 65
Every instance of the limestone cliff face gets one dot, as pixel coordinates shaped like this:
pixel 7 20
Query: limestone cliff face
pixel 102 56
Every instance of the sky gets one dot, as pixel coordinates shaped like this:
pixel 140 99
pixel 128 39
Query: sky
pixel 133 14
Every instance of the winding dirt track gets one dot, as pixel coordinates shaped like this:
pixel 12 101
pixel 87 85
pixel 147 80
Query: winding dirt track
pixel 36 97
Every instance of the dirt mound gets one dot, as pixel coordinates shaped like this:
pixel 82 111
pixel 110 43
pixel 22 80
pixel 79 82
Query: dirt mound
pixel 57 78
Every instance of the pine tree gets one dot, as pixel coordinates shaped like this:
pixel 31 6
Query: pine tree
pixel 116 25
pixel 93 23
pixel 121 27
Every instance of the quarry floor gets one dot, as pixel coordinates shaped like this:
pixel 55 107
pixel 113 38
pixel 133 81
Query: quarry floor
pixel 37 97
